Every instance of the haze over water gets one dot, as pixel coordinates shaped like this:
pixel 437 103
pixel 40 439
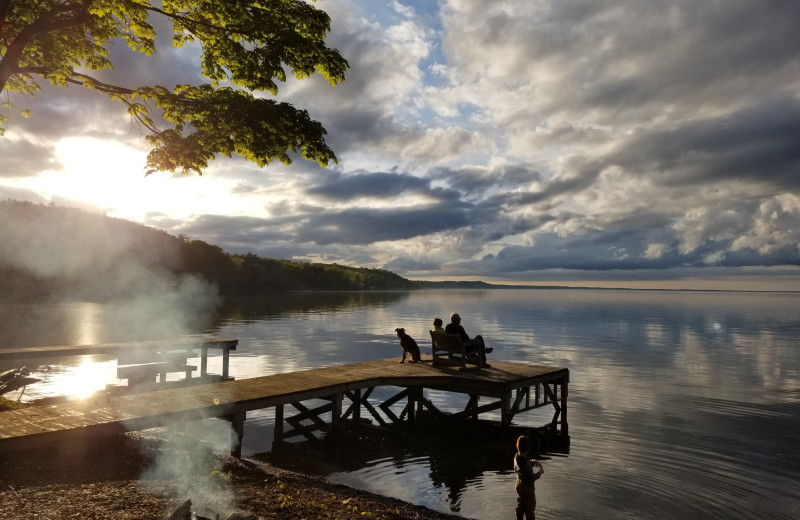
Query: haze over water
pixel 681 404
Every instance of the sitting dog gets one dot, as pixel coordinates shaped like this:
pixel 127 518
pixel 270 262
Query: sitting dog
pixel 409 346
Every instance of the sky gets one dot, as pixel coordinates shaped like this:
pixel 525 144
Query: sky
pixel 547 142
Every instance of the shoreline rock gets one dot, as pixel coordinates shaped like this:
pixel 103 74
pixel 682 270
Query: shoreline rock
pixel 111 480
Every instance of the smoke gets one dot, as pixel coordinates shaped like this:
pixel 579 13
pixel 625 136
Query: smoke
pixel 100 280
pixel 188 460
pixel 62 254
pixel 149 305
pixel 87 279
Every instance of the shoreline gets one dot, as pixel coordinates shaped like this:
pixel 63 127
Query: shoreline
pixel 115 479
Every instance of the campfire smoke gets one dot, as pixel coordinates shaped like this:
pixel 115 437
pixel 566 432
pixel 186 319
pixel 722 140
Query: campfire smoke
pixel 192 460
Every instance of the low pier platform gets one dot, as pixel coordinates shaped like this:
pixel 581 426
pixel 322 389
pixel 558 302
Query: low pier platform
pixel 143 350
pixel 344 390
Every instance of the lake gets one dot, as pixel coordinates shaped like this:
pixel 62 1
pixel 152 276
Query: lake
pixel 681 404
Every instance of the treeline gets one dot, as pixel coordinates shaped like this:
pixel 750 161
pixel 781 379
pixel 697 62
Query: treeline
pixel 250 274
pixel 455 284
pixel 52 251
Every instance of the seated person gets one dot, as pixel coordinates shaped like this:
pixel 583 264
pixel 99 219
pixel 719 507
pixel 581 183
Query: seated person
pixel 437 325
pixel 454 327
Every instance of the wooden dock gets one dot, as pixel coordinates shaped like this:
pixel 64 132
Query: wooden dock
pixel 142 352
pixel 345 390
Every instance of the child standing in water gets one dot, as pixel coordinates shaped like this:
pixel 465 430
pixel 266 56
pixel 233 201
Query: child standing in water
pixel 526 477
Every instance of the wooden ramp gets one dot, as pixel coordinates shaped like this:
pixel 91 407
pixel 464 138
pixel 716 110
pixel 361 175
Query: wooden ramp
pixel 511 388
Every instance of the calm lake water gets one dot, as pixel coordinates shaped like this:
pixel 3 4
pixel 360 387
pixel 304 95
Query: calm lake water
pixel 681 404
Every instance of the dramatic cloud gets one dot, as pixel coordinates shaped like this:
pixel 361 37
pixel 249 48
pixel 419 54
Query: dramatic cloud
pixel 23 157
pixel 504 140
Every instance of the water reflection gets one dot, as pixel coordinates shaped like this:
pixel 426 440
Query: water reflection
pixel 81 323
pixel 89 327
pixel 300 303
pixel 681 404
pixel 75 377
pixel 32 325
pixel 85 379
pixel 429 463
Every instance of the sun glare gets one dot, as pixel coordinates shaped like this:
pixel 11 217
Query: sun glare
pixel 85 379
pixel 110 177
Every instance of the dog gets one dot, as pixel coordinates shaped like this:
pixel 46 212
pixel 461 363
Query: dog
pixel 409 346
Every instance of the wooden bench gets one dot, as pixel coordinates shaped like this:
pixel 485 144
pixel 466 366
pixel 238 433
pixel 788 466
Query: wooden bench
pixel 449 349
pixel 142 366
pixel 147 372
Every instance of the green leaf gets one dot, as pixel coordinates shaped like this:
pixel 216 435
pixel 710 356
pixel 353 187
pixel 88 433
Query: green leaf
pixel 248 44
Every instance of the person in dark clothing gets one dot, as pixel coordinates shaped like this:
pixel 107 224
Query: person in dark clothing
pixel 526 479
pixel 454 327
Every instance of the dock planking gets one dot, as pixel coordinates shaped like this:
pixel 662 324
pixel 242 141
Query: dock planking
pixel 41 425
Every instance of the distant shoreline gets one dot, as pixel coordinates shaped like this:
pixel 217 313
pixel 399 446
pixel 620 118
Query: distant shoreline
pixel 423 284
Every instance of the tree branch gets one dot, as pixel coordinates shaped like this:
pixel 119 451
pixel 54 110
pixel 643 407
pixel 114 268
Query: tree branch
pixel 188 22
pixel 192 24
pixel 123 94
pixel 107 88
pixel 48 21
pixel 5 6
pixel 78 15
pixel 52 20
pixel 199 121
pixel 120 93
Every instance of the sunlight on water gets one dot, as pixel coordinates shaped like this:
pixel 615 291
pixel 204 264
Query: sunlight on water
pixel 681 404
pixel 90 322
pixel 79 381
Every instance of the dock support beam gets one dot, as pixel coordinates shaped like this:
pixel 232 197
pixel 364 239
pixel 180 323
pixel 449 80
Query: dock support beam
pixel 409 403
pixel 336 412
pixel 237 434
pixel 278 422
pixel 564 392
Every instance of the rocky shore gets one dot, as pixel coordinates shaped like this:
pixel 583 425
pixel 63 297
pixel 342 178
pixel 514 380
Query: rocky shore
pixel 114 480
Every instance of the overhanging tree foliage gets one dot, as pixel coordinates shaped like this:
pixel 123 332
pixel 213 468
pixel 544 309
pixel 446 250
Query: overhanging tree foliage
pixel 247 44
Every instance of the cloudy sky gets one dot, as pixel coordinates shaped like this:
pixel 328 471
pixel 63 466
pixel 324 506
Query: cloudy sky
pixel 635 144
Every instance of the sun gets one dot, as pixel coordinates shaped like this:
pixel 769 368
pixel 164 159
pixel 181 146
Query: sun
pixel 85 379
pixel 109 176
pixel 94 173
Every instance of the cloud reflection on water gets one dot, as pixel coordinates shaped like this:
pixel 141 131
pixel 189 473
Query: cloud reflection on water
pixel 670 414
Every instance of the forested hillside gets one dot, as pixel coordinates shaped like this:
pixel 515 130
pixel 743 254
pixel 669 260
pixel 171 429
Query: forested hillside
pixel 48 251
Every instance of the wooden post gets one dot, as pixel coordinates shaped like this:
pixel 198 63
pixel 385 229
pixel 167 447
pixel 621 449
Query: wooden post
pixel 203 361
pixel 505 415
pixel 225 359
pixel 357 407
pixel 336 411
pixel 472 404
pixel 414 402
pixel 564 392
pixel 279 422
pixel 237 422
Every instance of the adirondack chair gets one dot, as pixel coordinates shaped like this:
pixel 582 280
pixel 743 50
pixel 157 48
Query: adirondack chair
pixel 449 349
